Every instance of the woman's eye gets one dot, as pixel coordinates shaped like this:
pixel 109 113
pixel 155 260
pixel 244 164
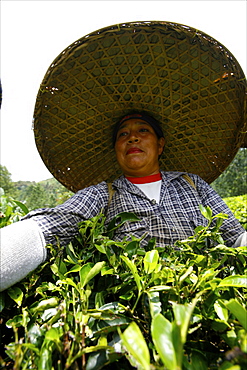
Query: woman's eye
pixel 143 130
pixel 122 134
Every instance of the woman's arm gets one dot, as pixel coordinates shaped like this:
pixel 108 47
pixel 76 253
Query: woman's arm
pixel 22 251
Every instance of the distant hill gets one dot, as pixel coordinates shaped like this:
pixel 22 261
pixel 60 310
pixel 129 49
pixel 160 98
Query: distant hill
pixel 45 193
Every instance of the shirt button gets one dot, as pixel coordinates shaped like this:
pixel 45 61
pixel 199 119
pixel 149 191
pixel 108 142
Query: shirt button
pixel 153 201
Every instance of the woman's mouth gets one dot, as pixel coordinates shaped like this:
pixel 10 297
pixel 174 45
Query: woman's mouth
pixel 134 150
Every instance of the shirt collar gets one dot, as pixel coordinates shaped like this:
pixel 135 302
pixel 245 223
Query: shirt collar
pixel 145 179
pixel 123 183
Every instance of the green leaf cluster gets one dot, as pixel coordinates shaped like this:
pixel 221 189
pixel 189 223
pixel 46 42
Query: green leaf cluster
pixel 232 182
pixel 46 193
pixel 102 304
pixel 10 210
pixel 238 205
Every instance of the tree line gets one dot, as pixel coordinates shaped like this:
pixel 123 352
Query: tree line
pixel 46 193
pixel 49 193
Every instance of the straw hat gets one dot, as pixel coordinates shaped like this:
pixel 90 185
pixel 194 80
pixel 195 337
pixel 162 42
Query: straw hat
pixel 184 78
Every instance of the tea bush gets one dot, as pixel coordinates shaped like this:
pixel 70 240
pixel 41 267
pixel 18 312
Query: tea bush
pixel 10 210
pixel 238 206
pixel 101 304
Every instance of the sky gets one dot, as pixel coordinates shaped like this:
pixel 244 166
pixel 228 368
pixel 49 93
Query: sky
pixel 34 33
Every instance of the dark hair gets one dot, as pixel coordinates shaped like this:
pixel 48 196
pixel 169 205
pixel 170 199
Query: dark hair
pixel 143 116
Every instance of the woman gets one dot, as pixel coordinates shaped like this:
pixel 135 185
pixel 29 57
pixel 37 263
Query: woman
pixel 160 70
pixel 166 204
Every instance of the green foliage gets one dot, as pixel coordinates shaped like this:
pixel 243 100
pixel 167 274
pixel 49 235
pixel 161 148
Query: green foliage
pixel 232 181
pixel 47 193
pixel 37 197
pixel 6 183
pixel 98 303
pixel 10 210
pixel 238 206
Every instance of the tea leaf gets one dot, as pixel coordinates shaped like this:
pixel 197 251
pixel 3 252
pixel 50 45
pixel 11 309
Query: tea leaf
pixel 101 248
pixel 133 269
pixel 119 220
pixel 224 249
pixel 52 334
pixel 106 270
pixel 94 271
pixel 154 303
pixel 44 304
pixel 160 288
pixel 229 366
pixel 16 321
pixel 150 261
pixel 186 274
pixel 2 299
pixel 75 268
pixel 16 294
pixel 70 282
pixel 45 357
pixel 89 272
pixel 135 344
pixel 182 315
pixel 84 271
pixel 131 248
pixel 206 212
pixel 22 207
pixel 221 310
pixel 198 361
pixel 237 281
pixel 238 310
pixel 230 337
pixel 161 330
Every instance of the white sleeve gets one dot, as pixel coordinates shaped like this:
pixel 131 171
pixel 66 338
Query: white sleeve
pixel 241 240
pixel 22 250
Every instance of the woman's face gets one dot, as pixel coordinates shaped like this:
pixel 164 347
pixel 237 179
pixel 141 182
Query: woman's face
pixel 138 148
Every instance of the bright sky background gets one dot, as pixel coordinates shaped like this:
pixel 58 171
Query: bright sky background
pixel 33 33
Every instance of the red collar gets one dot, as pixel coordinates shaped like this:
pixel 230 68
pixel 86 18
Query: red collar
pixel 145 179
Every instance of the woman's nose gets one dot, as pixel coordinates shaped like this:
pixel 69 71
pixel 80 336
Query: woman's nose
pixel 133 138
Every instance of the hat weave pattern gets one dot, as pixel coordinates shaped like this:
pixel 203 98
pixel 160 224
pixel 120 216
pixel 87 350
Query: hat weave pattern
pixel 182 77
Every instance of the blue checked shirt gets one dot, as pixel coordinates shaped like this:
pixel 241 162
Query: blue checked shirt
pixel 174 218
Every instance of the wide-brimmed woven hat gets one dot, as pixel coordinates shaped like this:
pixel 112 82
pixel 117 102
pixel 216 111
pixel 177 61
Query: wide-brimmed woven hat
pixel 181 76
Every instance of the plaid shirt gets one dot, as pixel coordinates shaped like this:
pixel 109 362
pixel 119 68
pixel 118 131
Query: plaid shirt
pixel 174 218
